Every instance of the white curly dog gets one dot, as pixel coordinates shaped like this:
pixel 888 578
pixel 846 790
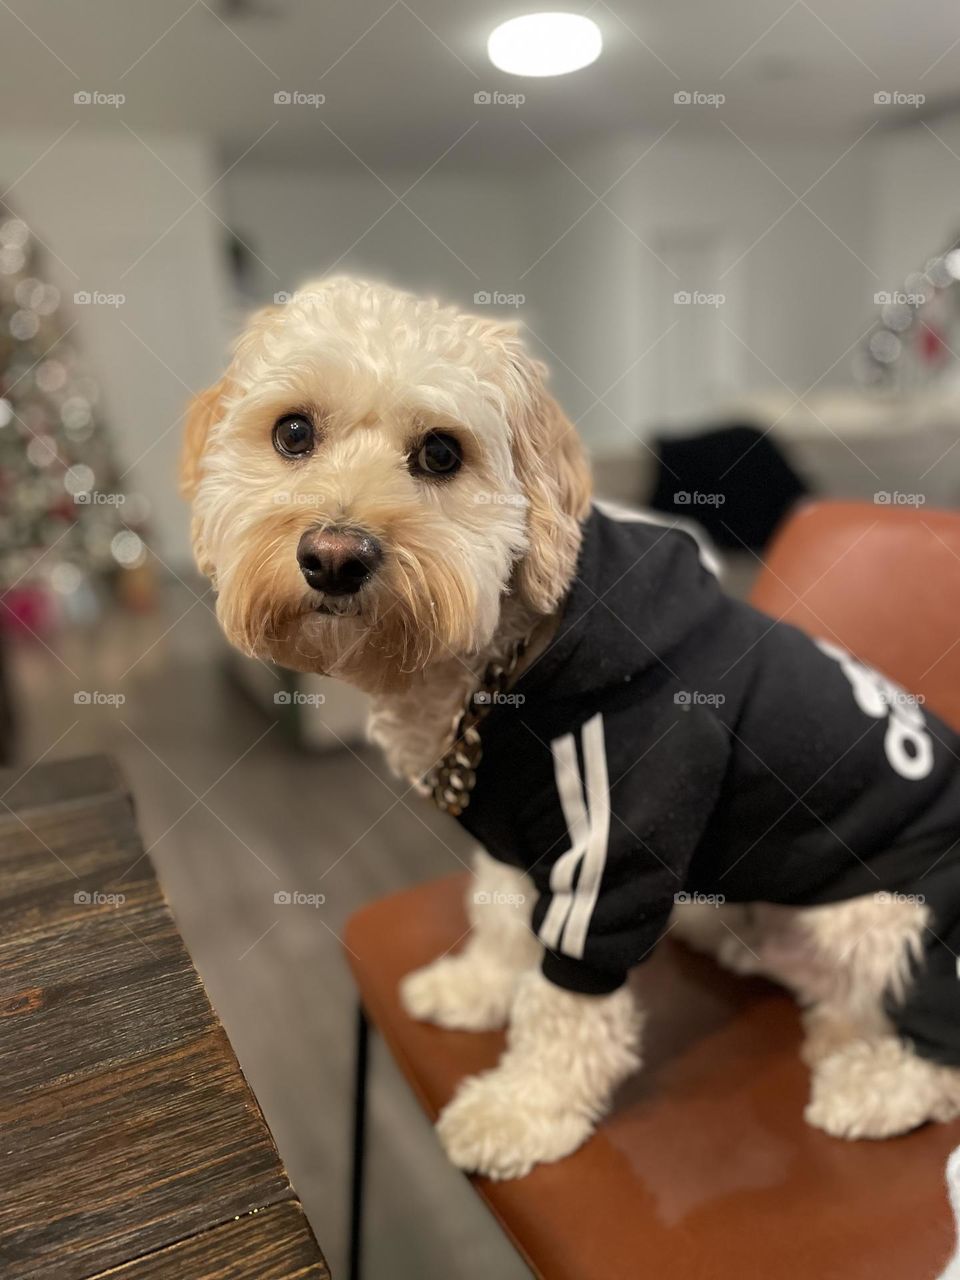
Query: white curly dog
pixel 384 491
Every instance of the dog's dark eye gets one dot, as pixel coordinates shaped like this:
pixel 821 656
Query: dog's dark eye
pixel 293 435
pixel 437 455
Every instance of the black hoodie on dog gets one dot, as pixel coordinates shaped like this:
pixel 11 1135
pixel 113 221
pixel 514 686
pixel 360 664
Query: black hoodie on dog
pixel 672 743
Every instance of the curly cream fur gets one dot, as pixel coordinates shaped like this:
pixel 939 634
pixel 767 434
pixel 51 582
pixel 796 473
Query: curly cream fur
pixel 468 568
pixel 566 1054
pixel 841 962
pixel 466 563
pixel 474 989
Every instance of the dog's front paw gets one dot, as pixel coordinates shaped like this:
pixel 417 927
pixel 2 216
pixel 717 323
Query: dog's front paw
pixel 496 1126
pixel 464 993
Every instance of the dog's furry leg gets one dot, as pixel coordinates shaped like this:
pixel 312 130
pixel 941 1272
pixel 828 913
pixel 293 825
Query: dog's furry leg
pixel 473 990
pixel 566 1053
pixel 829 1027
pixel 838 960
pixel 728 932
pixel 877 1088
pixel 842 961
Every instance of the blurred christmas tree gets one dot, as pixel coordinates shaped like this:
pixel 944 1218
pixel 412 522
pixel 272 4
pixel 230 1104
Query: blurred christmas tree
pixel 68 531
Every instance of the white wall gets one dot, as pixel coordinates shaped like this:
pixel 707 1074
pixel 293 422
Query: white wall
pixel 595 297
pixel 917 207
pixel 794 301
pixel 461 234
pixel 100 201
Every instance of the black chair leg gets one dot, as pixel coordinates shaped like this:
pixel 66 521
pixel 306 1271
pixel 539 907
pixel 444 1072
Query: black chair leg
pixel 359 1144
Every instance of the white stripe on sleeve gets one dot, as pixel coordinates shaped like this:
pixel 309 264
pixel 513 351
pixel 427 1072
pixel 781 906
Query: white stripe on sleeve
pixel 595 859
pixel 570 791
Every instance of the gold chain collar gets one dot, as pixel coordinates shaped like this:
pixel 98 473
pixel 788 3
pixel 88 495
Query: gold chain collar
pixel 454 776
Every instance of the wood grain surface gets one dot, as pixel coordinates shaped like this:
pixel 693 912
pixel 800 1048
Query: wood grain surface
pixel 272 1244
pixel 130 1143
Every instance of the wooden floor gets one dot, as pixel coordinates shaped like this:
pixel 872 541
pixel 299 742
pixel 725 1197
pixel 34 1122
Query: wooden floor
pixel 230 814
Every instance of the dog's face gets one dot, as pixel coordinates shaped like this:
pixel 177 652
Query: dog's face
pixel 372 476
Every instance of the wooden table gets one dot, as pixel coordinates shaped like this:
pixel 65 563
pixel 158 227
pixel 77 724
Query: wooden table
pixel 130 1143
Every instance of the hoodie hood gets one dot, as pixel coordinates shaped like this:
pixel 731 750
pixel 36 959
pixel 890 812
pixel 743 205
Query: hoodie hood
pixel 640 587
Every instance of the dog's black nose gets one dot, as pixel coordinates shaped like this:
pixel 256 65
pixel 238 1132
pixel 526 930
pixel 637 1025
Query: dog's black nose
pixel 338 561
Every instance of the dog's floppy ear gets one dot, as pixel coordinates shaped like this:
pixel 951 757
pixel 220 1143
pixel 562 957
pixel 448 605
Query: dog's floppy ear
pixel 203 411
pixel 552 468
pixel 206 408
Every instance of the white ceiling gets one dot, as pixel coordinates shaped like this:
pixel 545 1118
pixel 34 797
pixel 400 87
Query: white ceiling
pixel 400 76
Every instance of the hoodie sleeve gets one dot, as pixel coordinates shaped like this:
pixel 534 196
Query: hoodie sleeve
pixel 635 807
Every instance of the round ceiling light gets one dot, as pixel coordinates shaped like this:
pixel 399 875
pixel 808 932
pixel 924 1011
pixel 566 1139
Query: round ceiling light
pixel 545 44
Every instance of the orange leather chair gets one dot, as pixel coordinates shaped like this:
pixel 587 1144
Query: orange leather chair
pixel 706 1169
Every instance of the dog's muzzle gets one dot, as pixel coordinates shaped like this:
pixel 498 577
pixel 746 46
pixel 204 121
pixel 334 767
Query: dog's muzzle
pixel 338 561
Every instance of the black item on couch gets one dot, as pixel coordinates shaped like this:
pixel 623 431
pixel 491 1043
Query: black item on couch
pixel 733 480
